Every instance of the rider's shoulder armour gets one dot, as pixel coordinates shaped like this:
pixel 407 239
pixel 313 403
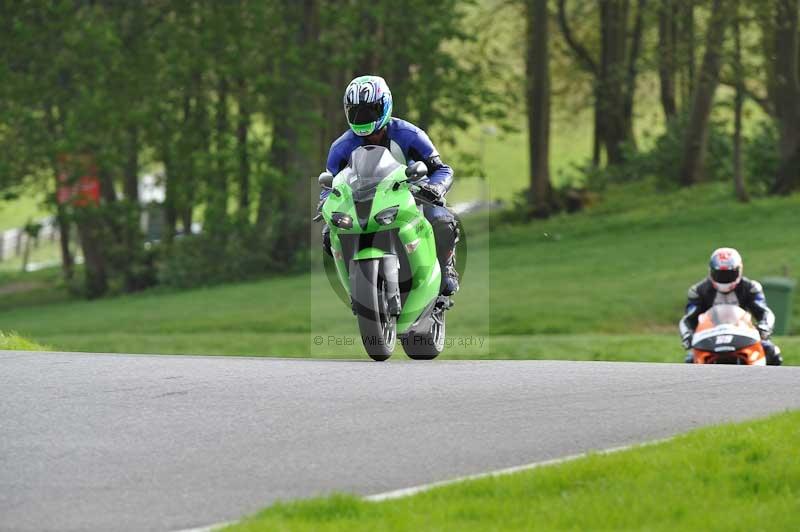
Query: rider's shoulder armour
pixel 414 142
pixel 748 290
pixel 340 151
pixel 703 291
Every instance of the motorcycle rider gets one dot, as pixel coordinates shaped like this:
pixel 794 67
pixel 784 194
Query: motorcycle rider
pixel 368 109
pixel 725 285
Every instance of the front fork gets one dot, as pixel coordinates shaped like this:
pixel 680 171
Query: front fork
pixel 390 268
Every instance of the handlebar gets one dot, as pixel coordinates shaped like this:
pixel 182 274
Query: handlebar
pixel 417 197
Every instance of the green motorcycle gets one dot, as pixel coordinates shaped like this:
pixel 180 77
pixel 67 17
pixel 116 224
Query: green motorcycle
pixel 385 254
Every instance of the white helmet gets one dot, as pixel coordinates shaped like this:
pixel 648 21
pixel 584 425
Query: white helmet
pixel 725 269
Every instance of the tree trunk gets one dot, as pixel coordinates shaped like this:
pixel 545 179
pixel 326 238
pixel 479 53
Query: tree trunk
pixel 787 94
pixel 538 100
pixel 293 141
pixel 187 218
pixel 26 253
pixel 93 257
pixel 597 132
pixel 738 102
pixel 218 178
pixel 199 141
pixel 696 137
pixel 131 171
pixel 370 58
pixel 633 59
pixel 170 196
pixel 667 36
pixel 588 64
pixel 688 48
pixel 67 260
pixel 614 76
pixel 242 130
pixel 107 190
pixel 616 127
pixel 337 78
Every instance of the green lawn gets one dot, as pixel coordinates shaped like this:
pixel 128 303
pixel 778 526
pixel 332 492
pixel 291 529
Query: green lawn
pixel 732 477
pixel 624 266
pixel 16 213
pixel 607 284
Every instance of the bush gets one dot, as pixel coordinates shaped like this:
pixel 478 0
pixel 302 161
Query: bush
pixel 663 160
pixel 761 157
pixel 234 251
pixel 569 199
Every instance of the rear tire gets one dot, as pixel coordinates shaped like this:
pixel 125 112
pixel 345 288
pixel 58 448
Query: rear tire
pixel 429 345
pixel 378 329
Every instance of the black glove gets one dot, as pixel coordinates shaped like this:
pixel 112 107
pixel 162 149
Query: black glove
pixel 431 192
pixel 686 341
pixel 318 216
pixel 764 330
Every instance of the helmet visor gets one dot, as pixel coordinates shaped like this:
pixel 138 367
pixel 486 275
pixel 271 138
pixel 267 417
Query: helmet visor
pixel 725 276
pixel 364 113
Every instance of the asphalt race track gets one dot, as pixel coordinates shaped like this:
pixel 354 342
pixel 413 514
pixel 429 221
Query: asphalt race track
pixel 127 442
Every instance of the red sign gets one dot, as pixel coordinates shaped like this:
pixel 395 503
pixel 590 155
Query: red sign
pixel 78 182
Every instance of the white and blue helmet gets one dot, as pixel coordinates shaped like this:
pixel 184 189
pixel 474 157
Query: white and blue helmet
pixel 367 104
pixel 725 269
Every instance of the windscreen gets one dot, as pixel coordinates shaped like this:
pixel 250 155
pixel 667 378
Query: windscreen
pixel 726 315
pixel 370 165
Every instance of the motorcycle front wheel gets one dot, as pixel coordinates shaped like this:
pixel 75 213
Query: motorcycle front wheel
pixel 377 327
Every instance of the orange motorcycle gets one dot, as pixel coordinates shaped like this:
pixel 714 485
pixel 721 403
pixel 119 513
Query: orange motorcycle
pixel 725 334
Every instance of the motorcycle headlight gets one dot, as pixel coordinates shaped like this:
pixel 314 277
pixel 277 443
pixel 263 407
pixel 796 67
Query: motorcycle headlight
pixel 386 216
pixel 342 220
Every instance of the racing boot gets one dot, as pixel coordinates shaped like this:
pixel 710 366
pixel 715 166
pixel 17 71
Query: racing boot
pixel 450 276
pixel 773 353
pixel 689 357
pixel 775 360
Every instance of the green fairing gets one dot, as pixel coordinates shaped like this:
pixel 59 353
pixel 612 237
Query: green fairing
pixel 411 225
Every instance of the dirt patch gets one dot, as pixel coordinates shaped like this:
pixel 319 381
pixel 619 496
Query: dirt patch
pixel 21 286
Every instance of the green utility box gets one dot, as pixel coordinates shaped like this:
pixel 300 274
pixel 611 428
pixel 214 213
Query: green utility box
pixel 779 292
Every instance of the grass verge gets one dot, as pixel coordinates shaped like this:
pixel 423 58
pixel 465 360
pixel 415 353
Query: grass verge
pixel 14 342
pixel 731 477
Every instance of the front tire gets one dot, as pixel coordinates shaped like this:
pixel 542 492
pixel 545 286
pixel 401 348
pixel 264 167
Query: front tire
pixel 428 345
pixel 377 327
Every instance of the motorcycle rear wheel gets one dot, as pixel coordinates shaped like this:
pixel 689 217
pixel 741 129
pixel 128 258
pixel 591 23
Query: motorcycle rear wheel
pixel 429 345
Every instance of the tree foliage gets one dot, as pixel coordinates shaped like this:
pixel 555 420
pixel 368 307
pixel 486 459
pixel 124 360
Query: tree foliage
pixel 233 103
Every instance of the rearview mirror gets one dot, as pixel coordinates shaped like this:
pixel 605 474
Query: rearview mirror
pixel 416 171
pixel 326 179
